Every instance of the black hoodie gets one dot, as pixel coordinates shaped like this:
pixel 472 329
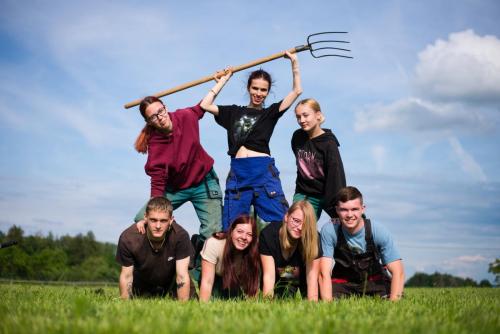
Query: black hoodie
pixel 320 172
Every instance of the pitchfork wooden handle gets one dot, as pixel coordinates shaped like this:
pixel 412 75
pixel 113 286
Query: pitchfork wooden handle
pixel 218 74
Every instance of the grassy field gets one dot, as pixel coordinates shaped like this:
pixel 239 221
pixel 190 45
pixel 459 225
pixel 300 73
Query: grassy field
pixel 28 308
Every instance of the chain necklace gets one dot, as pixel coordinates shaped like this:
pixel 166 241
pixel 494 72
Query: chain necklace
pixel 156 250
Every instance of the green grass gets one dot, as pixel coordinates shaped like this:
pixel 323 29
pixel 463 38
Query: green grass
pixel 26 308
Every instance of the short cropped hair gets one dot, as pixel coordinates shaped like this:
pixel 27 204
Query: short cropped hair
pixel 348 194
pixel 159 204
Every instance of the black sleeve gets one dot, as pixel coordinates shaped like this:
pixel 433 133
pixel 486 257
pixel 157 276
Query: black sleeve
pixel 264 247
pixel 183 246
pixel 334 178
pixel 274 110
pixel 123 254
pixel 225 115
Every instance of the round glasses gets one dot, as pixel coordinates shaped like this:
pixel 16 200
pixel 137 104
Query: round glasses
pixel 154 118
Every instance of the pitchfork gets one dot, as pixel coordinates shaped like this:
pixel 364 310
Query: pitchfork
pixel 318 48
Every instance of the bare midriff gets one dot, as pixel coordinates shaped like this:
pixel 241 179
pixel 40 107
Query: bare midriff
pixel 244 152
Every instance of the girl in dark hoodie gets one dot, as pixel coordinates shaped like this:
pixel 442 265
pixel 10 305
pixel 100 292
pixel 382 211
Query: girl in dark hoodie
pixel 320 172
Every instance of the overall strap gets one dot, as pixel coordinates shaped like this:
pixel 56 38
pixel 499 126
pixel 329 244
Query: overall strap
pixel 370 243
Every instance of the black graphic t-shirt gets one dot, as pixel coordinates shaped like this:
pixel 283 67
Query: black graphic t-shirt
pixel 291 272
pixel 320 171
pixel 249 127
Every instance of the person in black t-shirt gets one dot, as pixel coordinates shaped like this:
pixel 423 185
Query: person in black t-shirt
pixel 320 172
pixel 153 264
pixel 290 253
pixel 253 178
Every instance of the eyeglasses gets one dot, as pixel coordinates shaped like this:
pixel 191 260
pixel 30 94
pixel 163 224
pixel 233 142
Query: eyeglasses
pixel 154 118
pixel 296 222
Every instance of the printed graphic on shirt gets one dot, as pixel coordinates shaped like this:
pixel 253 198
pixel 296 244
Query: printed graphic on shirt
pixel 243 126
pixel 289 273
pixel 289 278
pixel 309 167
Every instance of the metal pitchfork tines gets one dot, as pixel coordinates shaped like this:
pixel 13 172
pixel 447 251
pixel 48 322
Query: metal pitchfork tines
pixel 317 47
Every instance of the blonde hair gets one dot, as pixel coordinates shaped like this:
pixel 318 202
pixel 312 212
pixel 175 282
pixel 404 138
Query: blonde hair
pixel 314 105
pixel 309 237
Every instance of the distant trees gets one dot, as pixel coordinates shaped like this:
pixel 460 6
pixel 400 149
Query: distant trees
pixel 495 270
pixel 443 280
pixel 78 258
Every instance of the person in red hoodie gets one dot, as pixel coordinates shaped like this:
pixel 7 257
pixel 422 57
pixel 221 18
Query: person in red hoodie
pixel 180 169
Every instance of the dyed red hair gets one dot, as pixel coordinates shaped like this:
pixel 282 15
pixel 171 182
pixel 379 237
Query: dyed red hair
pixel 141 143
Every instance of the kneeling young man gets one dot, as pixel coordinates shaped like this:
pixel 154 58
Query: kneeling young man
pixel 153 264
pixel 362 251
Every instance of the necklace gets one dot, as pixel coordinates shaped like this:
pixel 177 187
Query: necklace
pixel 156 250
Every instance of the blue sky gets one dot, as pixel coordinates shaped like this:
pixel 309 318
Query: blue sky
pixel 416 111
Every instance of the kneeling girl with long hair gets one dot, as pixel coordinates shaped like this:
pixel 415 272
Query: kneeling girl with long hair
pixel 230 262
pixel 290 253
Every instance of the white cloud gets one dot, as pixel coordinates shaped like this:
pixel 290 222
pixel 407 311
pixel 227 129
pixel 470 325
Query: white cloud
pixel 457 93
pixel 418 115
pixel 465 265
pixel 457 81
pixel 466 67
pixel 467 162
pixel 472 258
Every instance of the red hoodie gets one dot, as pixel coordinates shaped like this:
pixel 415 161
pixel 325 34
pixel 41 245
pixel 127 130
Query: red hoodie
pixel 177 160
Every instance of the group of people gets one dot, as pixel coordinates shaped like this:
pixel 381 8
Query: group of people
pixel 230 258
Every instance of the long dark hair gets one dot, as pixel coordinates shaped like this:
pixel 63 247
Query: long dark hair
pixel 260 74
pixel 141 143
pixel 247 276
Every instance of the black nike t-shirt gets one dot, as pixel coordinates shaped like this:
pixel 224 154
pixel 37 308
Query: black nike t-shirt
pixel 153 270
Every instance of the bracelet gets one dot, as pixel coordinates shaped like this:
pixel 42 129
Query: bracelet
pixel 215 94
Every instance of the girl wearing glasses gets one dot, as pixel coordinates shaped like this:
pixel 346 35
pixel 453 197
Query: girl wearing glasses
pixel 180 169
pixel 290 253
pixel 253 178
pixel 320 172
pixel 230 267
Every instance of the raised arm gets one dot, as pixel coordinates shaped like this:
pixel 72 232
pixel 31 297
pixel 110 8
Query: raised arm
pixel 297 87
pixel 268 275
pixel 182 278
pixel 207 103
pixel 207 280
pixel 125 282
pixel 312 270
pixel 398 279
pixel 325 287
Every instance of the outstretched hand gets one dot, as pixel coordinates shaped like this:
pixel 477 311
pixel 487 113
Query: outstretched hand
pixel 292 56
pixel 224 74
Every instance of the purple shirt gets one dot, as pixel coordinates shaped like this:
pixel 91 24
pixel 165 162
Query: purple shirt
pixel 177 160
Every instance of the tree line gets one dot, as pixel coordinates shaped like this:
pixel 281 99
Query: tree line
pixel 443 280
pixel 67 258
pixel 82 258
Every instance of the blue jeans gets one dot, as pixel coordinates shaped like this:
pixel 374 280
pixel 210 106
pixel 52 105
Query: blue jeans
pixel 206 198
pixel 253 181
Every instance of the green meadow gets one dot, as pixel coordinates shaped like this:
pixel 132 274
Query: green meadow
pixel 32 308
